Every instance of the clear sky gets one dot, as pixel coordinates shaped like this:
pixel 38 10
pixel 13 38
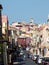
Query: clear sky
pixel 23 10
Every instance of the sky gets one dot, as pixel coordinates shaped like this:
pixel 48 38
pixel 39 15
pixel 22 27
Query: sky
pixel 23 10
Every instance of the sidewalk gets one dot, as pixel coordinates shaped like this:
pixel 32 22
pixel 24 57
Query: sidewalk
pixel 17 63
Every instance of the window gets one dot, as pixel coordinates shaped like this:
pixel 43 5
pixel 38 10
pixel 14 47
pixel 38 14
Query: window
pixel 47 29
pixel 20 32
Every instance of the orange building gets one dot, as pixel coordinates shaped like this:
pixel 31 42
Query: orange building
pixel 5 26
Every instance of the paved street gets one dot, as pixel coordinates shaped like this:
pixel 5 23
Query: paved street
pixel 26 62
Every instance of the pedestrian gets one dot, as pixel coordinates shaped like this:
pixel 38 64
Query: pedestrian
pixel 43 52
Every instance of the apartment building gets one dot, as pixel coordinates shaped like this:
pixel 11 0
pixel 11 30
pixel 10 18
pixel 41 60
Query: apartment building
pixel 5 26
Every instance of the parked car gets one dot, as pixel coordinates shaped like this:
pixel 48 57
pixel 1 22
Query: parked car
pixel 35 58
pixel 40 59
pixel 23 54
pixel 30 55
pixel 45 61
pixel 22 57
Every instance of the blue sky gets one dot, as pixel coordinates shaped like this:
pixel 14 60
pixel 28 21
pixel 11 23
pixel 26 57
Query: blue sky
pixel 23 10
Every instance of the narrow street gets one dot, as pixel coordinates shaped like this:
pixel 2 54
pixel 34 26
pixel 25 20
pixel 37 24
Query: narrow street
pixel 24 32
pixel 26 62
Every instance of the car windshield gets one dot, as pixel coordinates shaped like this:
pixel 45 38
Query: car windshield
pixel 36 55
pixel 47 59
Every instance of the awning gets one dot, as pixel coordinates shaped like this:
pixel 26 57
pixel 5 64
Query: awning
pixel 47 54
pixel 44 44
